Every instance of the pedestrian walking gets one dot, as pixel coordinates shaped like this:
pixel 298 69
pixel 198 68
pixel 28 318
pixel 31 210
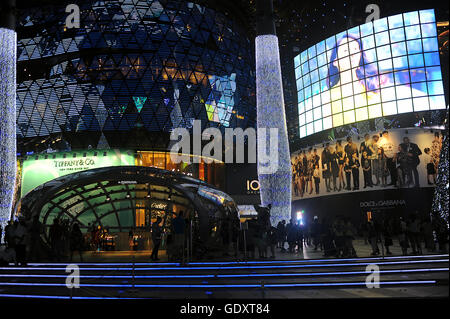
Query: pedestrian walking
pixel 76 241
pixel 156 238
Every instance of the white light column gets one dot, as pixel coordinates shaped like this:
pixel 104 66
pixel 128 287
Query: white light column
pixel 8 47
pixel 275 187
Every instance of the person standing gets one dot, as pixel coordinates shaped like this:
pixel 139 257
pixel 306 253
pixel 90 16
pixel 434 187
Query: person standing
pixel 272 241
pixel 316 158
pixel 413 151
pixel 8 235
pixel 374 157
pixel 341 161
pixel 431 168
pixel 281 233
pixel 349 236
pixel 315 233
pixel 382 170
pixel 327 239
pixel 373 237
pixel 156 238
pixel 55 235
pixel 309 171
pixel 305 172
pixel 366 146
pixel 355 170
pixel 334 164
pixel 402 237
pixel 76 241
pixel 428 235
pixel 403 169
pixel 294 177
pixel 351 148
pixel 364 232
pixel 387 234
pixel 300 174
pixel 251 238
pixel 326 168
pixel 339 239
pixel 179 227
pixel 35 239
pixel 367 169
pixel 348 173
pixel 20 239
pixel 316 176
pixel 300 236
pixel 389 150
pixel 291 235
pixel 414 234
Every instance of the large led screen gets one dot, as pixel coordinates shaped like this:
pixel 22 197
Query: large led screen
pixel 386 67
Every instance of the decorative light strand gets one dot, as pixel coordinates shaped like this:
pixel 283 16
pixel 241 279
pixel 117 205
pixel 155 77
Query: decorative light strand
pixel 275 189
pixel 8 46
pixel 439 209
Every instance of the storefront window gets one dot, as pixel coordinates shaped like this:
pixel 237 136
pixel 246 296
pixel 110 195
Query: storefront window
pixel 160 160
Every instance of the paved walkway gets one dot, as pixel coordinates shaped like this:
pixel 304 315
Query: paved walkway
pixel 362 250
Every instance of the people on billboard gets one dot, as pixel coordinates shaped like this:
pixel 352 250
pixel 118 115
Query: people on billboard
pixel 294 178
pixel 373 158
pixel 431 170
pixel 383 160
pixel 341 160
pixel 351 148
pixel 348 173
pixel 366 164
pixel 326 167
pixel 355 170
pixel 316 157
pixel 389 150
pixel 382 170
pixel 413 152
pixel 366 146
pixel 334 164
pixel 401 160
pixel 309 171
pixel 316 176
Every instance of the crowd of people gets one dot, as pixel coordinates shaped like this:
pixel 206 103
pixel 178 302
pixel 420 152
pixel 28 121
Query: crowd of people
pixel 380 161
pixel 23 241
pixel 333 237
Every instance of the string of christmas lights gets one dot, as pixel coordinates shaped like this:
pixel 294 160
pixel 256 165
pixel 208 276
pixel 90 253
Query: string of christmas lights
pixel 275 188
pixel 440 204
pixel 8 164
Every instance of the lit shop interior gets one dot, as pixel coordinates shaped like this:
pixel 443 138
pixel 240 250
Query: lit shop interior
pixel 121 193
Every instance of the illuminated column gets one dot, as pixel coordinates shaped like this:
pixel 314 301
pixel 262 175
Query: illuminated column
pixel 275 188
pixel 8 45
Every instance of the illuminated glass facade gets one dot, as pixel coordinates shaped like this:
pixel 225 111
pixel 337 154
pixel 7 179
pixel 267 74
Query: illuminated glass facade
pixel 132 64
pixel 386 67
